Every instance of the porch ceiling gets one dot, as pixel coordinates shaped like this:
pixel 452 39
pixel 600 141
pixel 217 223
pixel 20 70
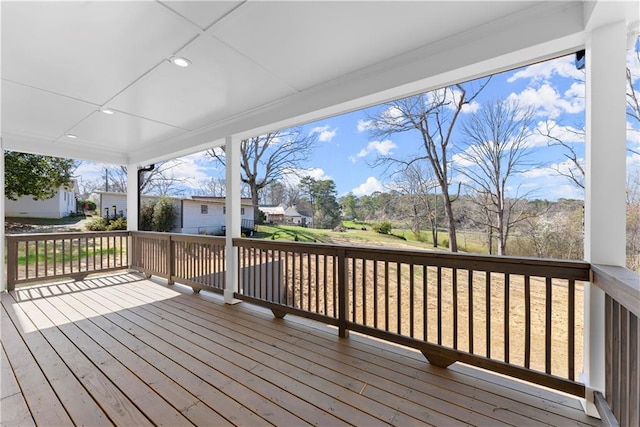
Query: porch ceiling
pixel 255 65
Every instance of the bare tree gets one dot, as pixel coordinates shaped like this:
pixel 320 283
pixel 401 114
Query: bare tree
pixel 416 183
pixel 433 116
pixel 264 159
pixel 158 180
pixel 496 150
pixel 215 187
pixel 575 170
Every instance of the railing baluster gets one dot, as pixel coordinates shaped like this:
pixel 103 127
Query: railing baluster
pixel 527 322
pixel 399 296
pixel 375 294
pixel 308 281
pixel 488 311
pixel 506 317
pixel 470 306
pixel 571 328
pixel 548 317
pixel 353 288
pixel 425 304
pixel 386 296
pixel 454 285
pixel 324 269
pixel 36 260
pixel 439 302
pixel 411 301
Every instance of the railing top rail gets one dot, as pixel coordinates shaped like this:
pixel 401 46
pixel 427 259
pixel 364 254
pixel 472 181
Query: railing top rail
pixel 620 283
pixel 575 270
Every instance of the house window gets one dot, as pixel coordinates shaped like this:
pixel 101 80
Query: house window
pixel 241 211
pixel 224 210
pixel 204 209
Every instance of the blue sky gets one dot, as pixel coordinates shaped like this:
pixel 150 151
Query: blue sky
pixel 346 149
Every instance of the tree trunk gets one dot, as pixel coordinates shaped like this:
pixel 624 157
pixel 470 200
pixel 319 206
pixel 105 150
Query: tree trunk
pixel 453 241
pixel 255 202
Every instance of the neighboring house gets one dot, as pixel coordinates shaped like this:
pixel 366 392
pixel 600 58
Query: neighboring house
pixel 293 216
pixel 197 215
pixel 61 205
pixel 273 214
pixel 283 215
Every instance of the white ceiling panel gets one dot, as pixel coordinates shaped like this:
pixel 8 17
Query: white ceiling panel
pixel 218 84
pixel 121 131
pixel 309 43
pixel 87 50
pixel 40 113
pixel 202 13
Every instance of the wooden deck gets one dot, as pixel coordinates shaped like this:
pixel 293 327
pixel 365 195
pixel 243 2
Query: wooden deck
pixel 127 351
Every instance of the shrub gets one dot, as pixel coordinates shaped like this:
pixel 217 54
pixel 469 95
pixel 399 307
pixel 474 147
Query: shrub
pixel 119 223
pixel 97 224
pixel 90 204
pixel 164 215
pixel 383 227
pixel 146 216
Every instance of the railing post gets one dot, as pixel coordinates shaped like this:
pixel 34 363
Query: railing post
pixel 171 261
pixel 233 221
pixel 343 300
pixel 12 263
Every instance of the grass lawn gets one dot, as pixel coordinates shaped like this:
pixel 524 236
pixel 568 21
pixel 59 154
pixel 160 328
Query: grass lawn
pixel 68 220
pixel 361 233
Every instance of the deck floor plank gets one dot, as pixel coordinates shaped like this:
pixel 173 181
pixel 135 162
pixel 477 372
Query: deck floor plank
pixel 242 386
pixel 284 358
pixel 540 408
pixel 13 407
pixel 172 392
pixel 431 387
pixel 207 363
pixel 231 410
pixel 247 349
pixel 93 373
pixel 50 389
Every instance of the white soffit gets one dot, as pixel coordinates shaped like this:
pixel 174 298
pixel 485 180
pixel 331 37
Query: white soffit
pixel 87 50
pixel 202 13
pixel 219 83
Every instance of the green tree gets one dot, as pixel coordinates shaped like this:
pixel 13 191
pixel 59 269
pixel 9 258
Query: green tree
pixel 349 205
pixel 35 175
pixel 323 197
pixel 164 215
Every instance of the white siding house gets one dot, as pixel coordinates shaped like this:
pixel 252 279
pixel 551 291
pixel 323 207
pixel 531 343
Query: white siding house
pixel 198 215
pixel 61 205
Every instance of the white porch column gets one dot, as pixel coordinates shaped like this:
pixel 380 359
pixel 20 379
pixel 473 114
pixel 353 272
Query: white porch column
pixel 132 198
pixel 232 216
pixel 132 207
pixel 3 268
pixel 605 212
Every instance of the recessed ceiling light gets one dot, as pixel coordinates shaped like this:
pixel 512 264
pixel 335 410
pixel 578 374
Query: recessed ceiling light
pixel 72 136
pixel 108 111
pixel 180 61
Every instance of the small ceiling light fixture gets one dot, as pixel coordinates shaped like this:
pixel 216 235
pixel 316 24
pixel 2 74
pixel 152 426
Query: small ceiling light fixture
pixel 70 135
pixel 180 61
pixel 108 111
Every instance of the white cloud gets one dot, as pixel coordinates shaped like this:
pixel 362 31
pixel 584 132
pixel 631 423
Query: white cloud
pixel 368 187
pixel 562 67
pixel 292 176
pixel 548 102
pixel 383 148
pixel 566 134
pixel 324 133
pixel 365 125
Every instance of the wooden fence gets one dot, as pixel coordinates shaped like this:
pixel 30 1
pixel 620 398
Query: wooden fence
pixel 516 316
pixel 197 261
pixel 46 256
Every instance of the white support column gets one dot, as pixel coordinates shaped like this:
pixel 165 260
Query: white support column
pixel 232 216
pixel 3 268
pixel 132 207
pixel 605 212
pixel 132 198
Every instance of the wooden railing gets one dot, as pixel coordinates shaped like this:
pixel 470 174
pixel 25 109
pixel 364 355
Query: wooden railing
pixel 516 316
pixel 46 256
pixel 197 261
pixel 622 341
